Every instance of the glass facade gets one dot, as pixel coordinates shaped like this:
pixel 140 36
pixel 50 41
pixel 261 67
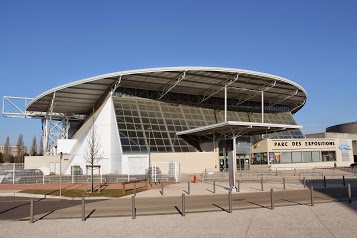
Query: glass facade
pixel 259 158
pixel 302 156
pixel 148 125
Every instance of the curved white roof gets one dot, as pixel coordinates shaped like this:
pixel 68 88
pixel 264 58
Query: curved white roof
pixel 244 86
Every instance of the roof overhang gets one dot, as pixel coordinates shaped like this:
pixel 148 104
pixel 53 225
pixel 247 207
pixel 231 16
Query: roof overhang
pixel 237 128
pixel 205 83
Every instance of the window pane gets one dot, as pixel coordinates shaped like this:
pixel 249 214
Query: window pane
pixel 316 156
pixel 296 157
pixel 286 157
pixel 328 155
pixel 307 156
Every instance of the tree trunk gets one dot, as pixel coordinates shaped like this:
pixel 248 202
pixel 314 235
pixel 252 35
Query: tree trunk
pixel 92 180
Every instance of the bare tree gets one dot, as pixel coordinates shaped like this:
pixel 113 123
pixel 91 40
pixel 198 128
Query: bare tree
pixel 34 147
pixel 93 152
pixel 7 150
pixel 20 149
pixel 40 151
pixel 12 159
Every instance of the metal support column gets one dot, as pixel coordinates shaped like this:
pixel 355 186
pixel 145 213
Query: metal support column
pixel 225 102
pixel 232 165
pixel 262 106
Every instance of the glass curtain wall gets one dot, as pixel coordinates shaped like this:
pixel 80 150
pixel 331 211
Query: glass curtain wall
pixel 148 125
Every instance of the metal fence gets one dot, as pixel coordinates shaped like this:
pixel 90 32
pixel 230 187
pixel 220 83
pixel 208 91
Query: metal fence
pixel 228 202
pixel 165 171
pixel 278 175
pixel 15 173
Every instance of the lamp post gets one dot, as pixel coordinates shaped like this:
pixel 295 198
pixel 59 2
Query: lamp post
pixel 150 169
pixel 61 154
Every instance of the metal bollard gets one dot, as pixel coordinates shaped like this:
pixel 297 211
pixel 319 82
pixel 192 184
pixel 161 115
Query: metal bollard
pixel 31 211
pixel 272 198
pixel 325 181
pixel 188 187
pixel 349 194
pixel 262 185
pixel 304 182
pixel 162 189
pixel 214 186
pixel 284 184
pixel 238 186
pixel 343 180
pixel 230 202
pixel 134 189
pixel 183 205
pixel 312 196
pixel 83 210
pixel 133 209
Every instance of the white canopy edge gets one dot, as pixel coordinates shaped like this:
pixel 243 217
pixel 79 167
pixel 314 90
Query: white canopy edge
pixel 237 125
pixel 166 69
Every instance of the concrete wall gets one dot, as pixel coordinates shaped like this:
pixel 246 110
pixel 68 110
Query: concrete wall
pixel 43 162
pixel 190 162
pixel 134 163
pixel 108 141
pixel 351 136
pixel 64 145
pixel 261 146
pixel 311 144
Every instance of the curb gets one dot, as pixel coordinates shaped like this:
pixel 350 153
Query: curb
pixel 30 195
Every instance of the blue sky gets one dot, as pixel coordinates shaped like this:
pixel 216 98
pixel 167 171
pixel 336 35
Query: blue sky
pixel 44 44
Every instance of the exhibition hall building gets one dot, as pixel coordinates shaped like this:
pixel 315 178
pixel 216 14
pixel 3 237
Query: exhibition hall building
pixel 191 116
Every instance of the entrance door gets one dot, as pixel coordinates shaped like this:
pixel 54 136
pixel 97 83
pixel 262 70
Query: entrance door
pixel 240 163
pixel 243 162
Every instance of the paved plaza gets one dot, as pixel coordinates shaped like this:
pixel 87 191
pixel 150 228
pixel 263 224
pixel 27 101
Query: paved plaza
pixel 206 212
pixel 323 220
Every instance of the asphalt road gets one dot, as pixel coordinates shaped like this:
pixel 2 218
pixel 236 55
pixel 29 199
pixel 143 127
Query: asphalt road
pixel 16 208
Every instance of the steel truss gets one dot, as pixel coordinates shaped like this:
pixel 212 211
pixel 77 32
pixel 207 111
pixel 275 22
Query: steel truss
pixel 213 90
pixel 15 107
pixel 195 100
pixel 167 88
pixel 54 125
pixel 53 130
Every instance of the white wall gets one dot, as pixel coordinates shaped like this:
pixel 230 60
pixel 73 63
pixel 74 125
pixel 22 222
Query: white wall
pixel 116 149
pixel 44 162
pixel 135 163
pixel 190 162
pixel 106 129
pixel 290 145
pixel 64 145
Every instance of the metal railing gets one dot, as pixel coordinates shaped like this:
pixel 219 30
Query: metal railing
pixel 15 173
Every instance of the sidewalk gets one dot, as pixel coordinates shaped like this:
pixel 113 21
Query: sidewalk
pixel 323 220
pixel 176 190
pixel 206 188
pixel 201 188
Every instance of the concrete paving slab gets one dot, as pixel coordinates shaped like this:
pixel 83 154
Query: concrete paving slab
pixel 294 221
pixel 206 188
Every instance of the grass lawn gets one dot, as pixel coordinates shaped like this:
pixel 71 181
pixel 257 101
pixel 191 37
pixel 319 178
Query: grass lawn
pixel 82 193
